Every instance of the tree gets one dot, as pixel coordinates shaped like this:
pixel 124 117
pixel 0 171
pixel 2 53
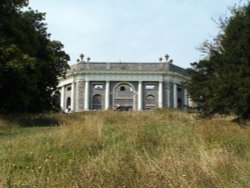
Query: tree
pixel 220 83
pixel 30 63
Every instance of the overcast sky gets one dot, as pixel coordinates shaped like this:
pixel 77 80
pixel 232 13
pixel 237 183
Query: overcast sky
pixel 133 30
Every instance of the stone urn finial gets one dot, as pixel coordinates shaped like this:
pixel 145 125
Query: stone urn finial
pixel 166 57
pixel 81 56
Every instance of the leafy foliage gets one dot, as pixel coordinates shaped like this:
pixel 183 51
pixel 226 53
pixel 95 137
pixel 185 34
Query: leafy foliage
pixel 30 63
pixel 220 83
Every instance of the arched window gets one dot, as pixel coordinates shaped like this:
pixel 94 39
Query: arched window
pixel 150 99
pixel 97 102
pixel 150 102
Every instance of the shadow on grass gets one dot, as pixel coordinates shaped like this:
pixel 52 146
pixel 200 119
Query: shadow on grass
pixel 25 120
pixel 38 122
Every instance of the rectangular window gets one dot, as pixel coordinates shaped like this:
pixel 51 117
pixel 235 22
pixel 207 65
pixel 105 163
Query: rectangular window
pixel 150 87
pixel 179 89
pixel 97 86
pixel 69 88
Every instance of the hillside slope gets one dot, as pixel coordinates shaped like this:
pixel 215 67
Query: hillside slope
pixel 123 149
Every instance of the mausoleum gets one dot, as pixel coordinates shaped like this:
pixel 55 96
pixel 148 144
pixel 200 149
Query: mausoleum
pixel 123 85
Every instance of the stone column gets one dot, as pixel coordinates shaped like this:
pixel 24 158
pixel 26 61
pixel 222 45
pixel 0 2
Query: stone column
pixel 73 97
pixel 62 98
pixel 174 95
pixel 86 95
pixel 140 95
pixel 160 94
pixel 107 95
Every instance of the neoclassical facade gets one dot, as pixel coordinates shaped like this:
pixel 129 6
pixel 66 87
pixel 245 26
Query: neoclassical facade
pixel 135 86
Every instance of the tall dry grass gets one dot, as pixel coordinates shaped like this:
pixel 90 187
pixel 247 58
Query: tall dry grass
pixel 164 148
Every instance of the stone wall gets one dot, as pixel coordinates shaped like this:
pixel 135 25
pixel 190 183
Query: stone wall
pixel 80 95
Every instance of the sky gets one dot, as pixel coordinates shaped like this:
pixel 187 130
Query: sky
pixel 134 30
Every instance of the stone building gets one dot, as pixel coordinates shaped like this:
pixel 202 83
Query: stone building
pixel 130 86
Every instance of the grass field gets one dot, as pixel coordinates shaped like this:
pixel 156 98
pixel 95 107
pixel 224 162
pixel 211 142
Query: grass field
pixel 164 148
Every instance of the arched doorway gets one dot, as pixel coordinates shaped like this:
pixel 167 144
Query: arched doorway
pixel 97 102
pixel 150 102
pixel 124 96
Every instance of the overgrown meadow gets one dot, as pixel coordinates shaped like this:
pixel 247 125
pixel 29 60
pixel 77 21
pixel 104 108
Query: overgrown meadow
pixel 164 148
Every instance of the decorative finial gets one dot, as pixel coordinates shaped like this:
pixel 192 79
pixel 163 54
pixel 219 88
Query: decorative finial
pixel 166 57
pixel 82 57
pixel 88 59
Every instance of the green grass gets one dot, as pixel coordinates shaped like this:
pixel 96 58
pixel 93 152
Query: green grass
pixel 165 148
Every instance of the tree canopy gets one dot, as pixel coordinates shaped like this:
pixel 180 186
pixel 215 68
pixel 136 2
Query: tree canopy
pixel 30 62
pixel 220 83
